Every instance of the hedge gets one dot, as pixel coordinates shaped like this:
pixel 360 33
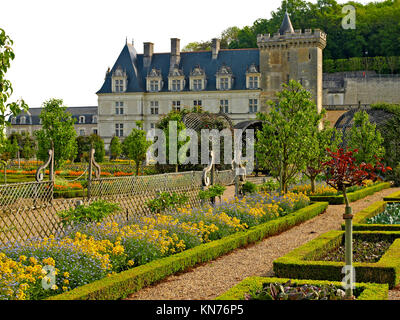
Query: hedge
pixel 302 262
pixel 120 285
pixel 393 197
pixel 369 212
pixel 352 196
pixel 370 291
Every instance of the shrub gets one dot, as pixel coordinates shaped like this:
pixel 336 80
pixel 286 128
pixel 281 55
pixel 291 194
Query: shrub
pixel 249 187
pixel 215 190
pixel 165 200
pixel 269 186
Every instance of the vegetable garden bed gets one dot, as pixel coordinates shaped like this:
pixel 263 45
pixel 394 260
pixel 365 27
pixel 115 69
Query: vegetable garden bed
pixel 363 291
pixel 121 284
pixel 352 196
pixel 305 261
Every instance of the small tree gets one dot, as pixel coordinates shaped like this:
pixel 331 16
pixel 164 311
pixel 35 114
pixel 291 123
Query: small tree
pixel 57 131
pixel 366 139
pixel 286 138
pixel 135 145
pixel 13 108
pixel 325 138
pixel 115 147
pixel 342 172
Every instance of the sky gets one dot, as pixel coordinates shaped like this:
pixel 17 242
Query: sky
pixel 63 48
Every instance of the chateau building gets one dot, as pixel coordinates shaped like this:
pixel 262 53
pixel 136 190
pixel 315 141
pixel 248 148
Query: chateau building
pixel 86 121
pixel 237 82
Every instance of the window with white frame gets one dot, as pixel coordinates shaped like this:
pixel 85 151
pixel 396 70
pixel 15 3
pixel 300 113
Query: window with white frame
pixel 153 107
pixel 119 85
pixel 154 80
pixel 224 83
pixel 253 77
pixel 81 119
pixel 176 85
pixel 81 132
pixel 13 120
pixel 119 80
pixel 253 105
pixel 22 120
pixel 119 107
pixel 197 105
pixel 119 129
pixel 197 84
pixel 224 106
pixel 176 105
pixel 224 78
pixel 94 119
pixel 253 82
pixel 154 85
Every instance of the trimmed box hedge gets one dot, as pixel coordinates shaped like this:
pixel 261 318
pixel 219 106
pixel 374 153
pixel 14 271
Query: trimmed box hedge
pixel 353 196
pixel 120 285
pixel 302 262
pixel 393 197
pixel 370 291
pixel 369 212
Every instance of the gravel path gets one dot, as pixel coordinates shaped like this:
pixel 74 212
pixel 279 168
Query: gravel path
pixel 211 279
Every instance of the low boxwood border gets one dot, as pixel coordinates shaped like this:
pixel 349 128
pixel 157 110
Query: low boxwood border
pixel 369 212
pixel 393 197
pixel 352 196
pixel 120 285
pixel 371 291
pixel 302 262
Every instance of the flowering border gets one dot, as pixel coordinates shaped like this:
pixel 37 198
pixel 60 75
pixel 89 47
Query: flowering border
pixel 121 284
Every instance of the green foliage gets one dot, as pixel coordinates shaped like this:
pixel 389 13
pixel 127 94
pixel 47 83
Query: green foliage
pixel 6 90
pixel 8 149
pixel 391 215
pixel 115 147
pixel 135 145
pixel 166 200
pixel 249 187
pixel 85 143
pixel 269 186
pixel 287 136
pixel 58 131
pixel 366 139
pixel 94 212
pixel 120 285
pixel 215 190
pixel 25 143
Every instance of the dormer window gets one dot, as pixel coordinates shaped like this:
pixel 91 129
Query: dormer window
pixel 22 120
pixel 119 80
pixel 13 120
pixel 197 79
pixel 81 119
pixel 154 80
pixel 176 79
pixel 94 119
pixel 253 77
pixel 224 78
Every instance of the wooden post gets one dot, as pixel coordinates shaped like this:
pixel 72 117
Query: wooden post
pixel 89 181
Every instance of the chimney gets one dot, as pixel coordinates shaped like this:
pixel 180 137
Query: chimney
pixel 148 49
pixel 175 51
pixel 215 46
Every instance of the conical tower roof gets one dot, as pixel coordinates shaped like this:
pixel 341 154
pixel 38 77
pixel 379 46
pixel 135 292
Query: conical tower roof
pixel 286 25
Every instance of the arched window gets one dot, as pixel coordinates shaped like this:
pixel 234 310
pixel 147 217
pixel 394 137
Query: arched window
pixel 22 120
pixel 81 119
pixel 94 119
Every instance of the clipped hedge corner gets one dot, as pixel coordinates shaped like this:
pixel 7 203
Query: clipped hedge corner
pixel 353 196
pixel 370 291
pixel 120 285
pixel 302 262
pixel 395 197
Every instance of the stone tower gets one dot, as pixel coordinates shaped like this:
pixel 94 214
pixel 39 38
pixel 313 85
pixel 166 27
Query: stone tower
pixel 291 54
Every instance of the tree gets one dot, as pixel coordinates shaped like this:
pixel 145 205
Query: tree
pixel 286 138
pixel 26 144
pixel 115 147
pixel 342 172
pixel 86 143
pixel 135 145
pixel 57 131
pixel 6 90
pixel 325 138
pixel 9 149
pixel 366 139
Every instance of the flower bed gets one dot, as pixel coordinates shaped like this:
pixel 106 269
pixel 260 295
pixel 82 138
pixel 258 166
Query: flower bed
pixel 353 196
pixel 363 291
pixel 365 219
pixel 305 262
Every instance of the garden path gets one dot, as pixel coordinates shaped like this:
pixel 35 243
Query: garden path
pixel 211 279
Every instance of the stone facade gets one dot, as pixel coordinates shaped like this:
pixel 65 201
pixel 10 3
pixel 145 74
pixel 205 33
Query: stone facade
pixel 236 82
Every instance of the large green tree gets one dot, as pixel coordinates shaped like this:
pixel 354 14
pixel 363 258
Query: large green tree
pixel 85 143
pixel 366 138
pixel 135 145
pixel 286 138
pixel 7 108
pixel 57 131
pixel 115 148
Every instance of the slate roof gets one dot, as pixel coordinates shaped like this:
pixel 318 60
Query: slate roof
pixel 286 25
pixel 239 60
pixel 33 118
